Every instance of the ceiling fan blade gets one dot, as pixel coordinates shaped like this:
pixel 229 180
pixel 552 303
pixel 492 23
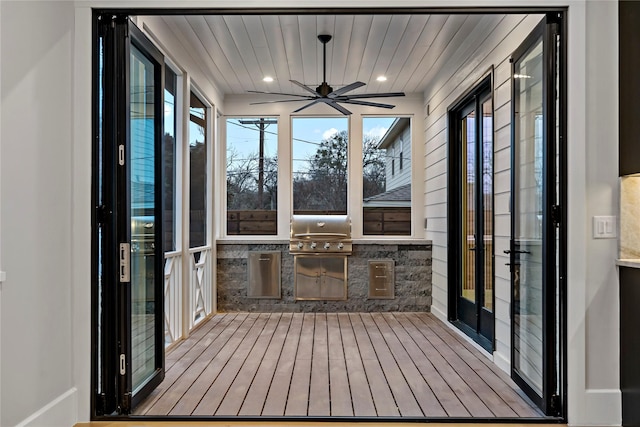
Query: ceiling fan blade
pixel 331 103
pixel 315 101
pixel 279 100
pixel 307 88
pixel 370 95
pixel 368 104
pixel 281 93
pixel 345 89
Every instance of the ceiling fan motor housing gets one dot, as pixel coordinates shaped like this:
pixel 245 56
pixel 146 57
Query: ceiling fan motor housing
pixel 324 89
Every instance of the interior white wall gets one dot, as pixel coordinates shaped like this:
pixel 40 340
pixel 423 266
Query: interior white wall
pixel 593 296
pixel 54 194
pixel 36 211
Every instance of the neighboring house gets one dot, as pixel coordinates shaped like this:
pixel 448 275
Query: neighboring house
pixel 397 143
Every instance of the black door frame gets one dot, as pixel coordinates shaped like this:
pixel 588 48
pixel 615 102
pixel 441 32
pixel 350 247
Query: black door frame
pixel 111 216
pixel 471 318
pixel 554 343
pixel 102 215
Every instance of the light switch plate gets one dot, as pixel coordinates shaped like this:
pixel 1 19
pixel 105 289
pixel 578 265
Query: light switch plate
pixel 604 227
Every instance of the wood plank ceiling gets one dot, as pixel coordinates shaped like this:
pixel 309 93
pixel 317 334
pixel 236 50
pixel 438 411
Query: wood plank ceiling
pixel 239 50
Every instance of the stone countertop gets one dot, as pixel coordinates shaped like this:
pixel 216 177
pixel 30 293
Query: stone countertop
pixel 632 263
pixel 355 242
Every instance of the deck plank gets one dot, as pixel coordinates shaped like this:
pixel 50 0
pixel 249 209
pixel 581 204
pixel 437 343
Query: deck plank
pixel 232 363
pixel 460 388
pixel 319 400
pixel 361 397
pixel 276 401
pixel 298 401
pixel 238 390
pixel 406 401
pixel 498 381
pixel 418 385
pixel 495 404
pixel 382 397
pixel 213 364
pixel 259 389
pixel 331 364
pixel 186 370
pixel 447 398
pixel 340 390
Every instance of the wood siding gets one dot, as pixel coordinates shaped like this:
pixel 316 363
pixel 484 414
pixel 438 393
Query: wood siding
pixel 464 69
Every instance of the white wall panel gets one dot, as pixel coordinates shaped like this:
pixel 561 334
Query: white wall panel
pixel 36 227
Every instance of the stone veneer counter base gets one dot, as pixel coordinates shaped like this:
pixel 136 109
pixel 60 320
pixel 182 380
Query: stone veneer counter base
pixel 412 278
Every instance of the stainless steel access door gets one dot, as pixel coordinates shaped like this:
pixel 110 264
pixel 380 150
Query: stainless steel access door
pixel 320 277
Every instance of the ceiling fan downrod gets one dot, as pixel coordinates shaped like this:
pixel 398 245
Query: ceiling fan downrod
pixel 324 89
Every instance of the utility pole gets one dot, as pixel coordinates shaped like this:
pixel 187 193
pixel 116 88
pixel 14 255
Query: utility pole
pixel 262 124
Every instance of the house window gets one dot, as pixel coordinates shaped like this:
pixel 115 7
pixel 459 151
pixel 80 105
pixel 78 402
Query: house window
pixel 320 151
pixel 386 205
pixel 197 172
pixel 252 175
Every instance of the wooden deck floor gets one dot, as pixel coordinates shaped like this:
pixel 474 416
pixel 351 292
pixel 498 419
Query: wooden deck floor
pixel 345 364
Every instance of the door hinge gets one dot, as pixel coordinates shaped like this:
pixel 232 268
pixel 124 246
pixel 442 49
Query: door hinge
pixel 101 404
pixel 123 364
pixel 125 257
pixel 556 215
pixel 555 405
pixel 102 213
pixel 125 409
pixel 121 155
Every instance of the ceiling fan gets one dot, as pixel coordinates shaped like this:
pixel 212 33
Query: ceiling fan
pixel 325 93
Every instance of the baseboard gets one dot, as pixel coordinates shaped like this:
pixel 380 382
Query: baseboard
pixel 602 407
pixel 502 362
pixel 60 412
pixel 439 313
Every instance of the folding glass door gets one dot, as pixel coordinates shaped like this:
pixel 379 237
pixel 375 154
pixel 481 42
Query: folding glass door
pixel 128 248
pixel 536 244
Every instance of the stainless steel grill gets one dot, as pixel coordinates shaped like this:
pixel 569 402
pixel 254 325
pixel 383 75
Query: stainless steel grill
pixel 318 234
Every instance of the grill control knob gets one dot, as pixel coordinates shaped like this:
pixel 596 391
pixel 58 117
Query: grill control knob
pixel 300 245
pixel 327 245
pixel 313 245
pixel 340 245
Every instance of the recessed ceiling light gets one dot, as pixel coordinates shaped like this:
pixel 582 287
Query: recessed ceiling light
pixel 267 79
pixel 381 79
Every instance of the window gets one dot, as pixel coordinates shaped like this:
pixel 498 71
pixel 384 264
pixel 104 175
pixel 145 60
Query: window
pixel 386 205
pixel 197 172
pixel 320 151
pixel 169 145
pixel 252 175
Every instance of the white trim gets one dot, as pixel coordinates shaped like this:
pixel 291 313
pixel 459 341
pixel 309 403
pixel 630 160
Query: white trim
pixel 61 411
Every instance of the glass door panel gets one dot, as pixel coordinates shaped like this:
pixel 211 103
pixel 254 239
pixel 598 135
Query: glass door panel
pixel 528 227
pixel 469 209
pixel 143 216
pixel 537 227
pixel 487 203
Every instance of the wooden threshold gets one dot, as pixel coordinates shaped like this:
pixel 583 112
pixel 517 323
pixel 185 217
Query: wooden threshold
pixel 332 365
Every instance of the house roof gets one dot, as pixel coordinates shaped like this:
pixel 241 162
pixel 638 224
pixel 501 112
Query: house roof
pixel 398 194
pixel 396 128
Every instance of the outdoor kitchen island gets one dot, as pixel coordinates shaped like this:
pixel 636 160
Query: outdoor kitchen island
pixel 409 262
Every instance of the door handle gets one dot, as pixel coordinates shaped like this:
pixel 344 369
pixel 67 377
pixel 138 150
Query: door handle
pixel 472 249
pixel 507 251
